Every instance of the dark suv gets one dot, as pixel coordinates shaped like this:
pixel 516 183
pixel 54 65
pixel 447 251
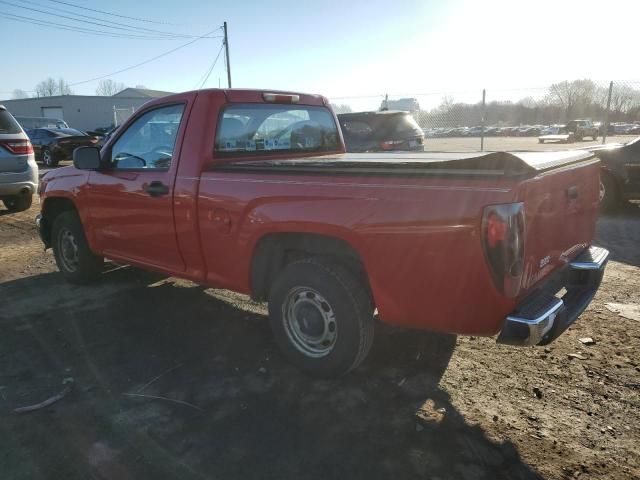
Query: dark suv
pixel 381 131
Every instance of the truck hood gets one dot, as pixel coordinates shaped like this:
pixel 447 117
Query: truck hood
pixel 425 163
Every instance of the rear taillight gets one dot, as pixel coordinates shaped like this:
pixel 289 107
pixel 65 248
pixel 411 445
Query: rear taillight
pixel 17 147
pixel 503 242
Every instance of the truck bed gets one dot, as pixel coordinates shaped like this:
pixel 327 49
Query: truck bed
pixel 495 164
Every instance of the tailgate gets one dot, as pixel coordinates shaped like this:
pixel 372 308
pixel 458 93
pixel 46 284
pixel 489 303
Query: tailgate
pixel 561 208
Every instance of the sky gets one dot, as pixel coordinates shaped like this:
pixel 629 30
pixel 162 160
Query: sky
pixel 351 51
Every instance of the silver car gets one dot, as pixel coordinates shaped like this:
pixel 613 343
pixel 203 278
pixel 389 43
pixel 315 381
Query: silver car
pixel 18 169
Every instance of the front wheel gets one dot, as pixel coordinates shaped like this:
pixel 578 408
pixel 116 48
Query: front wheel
pixel 594 137
pixel 321 316
pixel 75 260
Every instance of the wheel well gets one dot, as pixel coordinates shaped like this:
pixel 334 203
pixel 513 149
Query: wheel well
pixel 275 251
pixel 50 210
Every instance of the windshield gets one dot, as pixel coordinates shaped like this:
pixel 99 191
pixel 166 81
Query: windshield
pixel 262 129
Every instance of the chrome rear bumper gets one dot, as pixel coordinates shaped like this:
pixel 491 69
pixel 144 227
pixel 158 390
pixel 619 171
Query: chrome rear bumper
pixel 543 316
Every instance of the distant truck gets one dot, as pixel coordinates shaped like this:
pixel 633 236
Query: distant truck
pixel 574 131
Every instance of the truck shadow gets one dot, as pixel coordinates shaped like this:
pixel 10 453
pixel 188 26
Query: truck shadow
pixel 231 407
pixel 620 234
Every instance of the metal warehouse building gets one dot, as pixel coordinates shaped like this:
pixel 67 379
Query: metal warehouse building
pixel 85 112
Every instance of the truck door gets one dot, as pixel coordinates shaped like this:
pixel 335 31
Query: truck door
pixel 131 200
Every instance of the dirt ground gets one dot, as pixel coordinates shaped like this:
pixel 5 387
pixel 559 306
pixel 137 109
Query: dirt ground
pixel 232 408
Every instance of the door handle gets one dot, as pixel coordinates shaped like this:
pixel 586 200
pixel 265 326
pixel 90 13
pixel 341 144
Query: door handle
pixel 156 189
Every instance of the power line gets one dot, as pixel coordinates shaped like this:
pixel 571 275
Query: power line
pixel 145 62
pixel 58 10
pixel 109 13
pixel 137 64
pixel 74 28
pixel 206 76
pixel 117 26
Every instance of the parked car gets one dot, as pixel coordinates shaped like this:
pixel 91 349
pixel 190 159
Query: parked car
pixel 18 169
pixel 439 241
pixel 381 131
pixel 28 123
pixel 620 174
pixel 582 128
pixel 556 133
pixel 54 144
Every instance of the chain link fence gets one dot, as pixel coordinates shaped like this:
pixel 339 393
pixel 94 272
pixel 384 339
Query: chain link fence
pixel 515 119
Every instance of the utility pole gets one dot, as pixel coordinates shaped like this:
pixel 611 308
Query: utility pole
pixel 226 56
pixel 606 115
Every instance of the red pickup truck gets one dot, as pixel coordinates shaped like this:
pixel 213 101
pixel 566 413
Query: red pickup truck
pixel 252 191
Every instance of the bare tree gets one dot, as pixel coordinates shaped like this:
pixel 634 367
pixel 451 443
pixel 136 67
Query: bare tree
pixel 47 88
pixel 50 87
pixel 18 93
pixel 573 94
pixel 63 87
pixel 108 87
pixel 624 98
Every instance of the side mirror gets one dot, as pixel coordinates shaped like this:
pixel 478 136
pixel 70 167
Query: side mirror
pixel 86 158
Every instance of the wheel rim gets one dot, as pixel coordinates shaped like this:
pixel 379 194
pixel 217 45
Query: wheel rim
pixel 68 250
pixel 46 156
pixel 310 322
pixel 603 191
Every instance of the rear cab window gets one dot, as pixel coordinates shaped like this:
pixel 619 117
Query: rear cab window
pixel 8 124
pixel 261 129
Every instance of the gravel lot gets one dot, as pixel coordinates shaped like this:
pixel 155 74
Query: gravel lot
pixel 232 408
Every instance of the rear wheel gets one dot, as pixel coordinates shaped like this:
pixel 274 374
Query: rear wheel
pixel 321 316
pixel 594 137
pixel 540 140
pixel 609 195
pixel 18 203
pixel 75 260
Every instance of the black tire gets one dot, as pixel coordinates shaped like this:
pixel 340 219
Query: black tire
pixel 48 158
pixel 594 137
pixel 540 140
pixel 327 297
pixel 610 195
pixel 75 260
pixel 18 203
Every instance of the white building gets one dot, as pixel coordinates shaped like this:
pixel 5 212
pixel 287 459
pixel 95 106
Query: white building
pixel 85 112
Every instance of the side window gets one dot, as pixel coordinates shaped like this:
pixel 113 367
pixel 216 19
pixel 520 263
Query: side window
pixel 149 141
